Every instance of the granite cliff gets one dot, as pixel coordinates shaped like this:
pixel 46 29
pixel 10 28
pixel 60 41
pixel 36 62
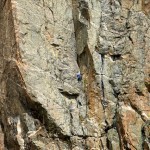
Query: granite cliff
pixel 44 44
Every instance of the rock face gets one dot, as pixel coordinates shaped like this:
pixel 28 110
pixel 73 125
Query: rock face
pixel 44 44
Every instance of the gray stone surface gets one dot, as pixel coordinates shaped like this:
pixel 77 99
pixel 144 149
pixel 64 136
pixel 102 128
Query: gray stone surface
pixel 44 44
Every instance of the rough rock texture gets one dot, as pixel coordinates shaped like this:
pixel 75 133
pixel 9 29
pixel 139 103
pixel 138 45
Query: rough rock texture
pixel 44 44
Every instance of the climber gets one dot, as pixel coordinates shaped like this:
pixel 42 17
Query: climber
pixel 79 76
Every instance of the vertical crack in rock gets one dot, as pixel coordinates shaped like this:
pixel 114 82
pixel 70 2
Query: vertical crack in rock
pixel 104 101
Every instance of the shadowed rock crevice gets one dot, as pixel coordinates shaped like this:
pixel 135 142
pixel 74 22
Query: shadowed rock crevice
pixel 116 57
pixel 69 95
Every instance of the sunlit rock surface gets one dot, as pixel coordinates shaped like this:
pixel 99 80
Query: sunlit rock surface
pixel 44 44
